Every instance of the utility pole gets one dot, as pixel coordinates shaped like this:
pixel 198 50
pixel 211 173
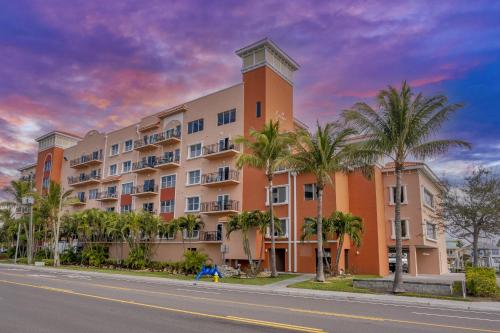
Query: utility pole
pixel 17 242
pixel 29 200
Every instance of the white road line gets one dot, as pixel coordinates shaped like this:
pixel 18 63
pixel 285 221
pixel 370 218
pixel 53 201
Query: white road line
pixel 199 291
pixel 459 317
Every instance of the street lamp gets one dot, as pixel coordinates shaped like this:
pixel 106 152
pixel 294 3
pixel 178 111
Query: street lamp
pixel 29 200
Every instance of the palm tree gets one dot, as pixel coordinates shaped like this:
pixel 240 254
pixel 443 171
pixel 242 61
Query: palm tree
pixel 399 129
pixel 173 228
pixel 53 203
pixel 310 229
pixel 346 224
pixel 263 224
pixel 322 154
pixel 268 150
pixel 244 222
pixel 189 224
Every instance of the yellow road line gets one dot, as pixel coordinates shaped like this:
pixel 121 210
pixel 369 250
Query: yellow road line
pixel 159 307
pixel 277 307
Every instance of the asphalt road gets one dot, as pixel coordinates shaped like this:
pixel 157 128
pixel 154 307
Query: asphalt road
pixel 35 301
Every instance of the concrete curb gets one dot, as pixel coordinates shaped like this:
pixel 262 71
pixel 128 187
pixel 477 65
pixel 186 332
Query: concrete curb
pixel 284 291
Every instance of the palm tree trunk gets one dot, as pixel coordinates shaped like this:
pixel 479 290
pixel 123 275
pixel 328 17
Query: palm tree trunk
pixel 320 274
pixel 262 245
pixel 340 244
pixel 272 256
pixel 397 287
pixel 475 240
pixel 248 252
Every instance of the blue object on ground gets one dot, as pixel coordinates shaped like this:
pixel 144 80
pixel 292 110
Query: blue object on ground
pixel 208 271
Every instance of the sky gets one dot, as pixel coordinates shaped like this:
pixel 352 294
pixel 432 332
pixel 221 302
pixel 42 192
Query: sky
pixel 82 65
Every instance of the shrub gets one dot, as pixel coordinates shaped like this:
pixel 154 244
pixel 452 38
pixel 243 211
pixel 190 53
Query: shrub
pixel 23 261
pixel 94 256
pixel 48 262
pixel 45 253
pixel 481 281
pixel 137 258
pixel 11 252
pixel 70 257
pixel 193 260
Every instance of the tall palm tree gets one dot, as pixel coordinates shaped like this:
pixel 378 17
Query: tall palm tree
pixel 310 230
pixel 244 222
pixel 263 224
pixel 322 154
pixel 267 150
pixel 52 203
pixel 346 224
pixel 400 128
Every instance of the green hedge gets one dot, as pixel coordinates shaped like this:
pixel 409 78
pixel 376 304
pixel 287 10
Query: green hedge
pixel 481 281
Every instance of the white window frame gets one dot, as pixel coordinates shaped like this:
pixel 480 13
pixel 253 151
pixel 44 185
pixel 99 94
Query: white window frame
pixel 287 224
pixel 165 176
pixel 131 187
pixel 95 191
pixel 189 150
pixel 123 167
pixel 393 229
pixel 117 150
pixel 172 206
pixel 280 203
pixel 188 177
pixel 116 170
pixel 125 150
pixel 315 192
pixel 435 230
pixel 432 207
pixel 391 195
pixel 186 210
pixel 194 236
pixel 128 211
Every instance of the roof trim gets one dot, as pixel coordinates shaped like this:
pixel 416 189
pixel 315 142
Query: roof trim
pixel 65 134
pixel 26 167
pixel 267 42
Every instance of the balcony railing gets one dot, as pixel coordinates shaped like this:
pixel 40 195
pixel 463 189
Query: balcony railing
pixel 78 200
pixel 107 196
pixel 143 166
pixel 83 179
pixel 84 160
pixel 165 162
pixel 220 177
pixel 27 178
pixel 169 136
pixel 221 149
pixel 146 143
pixel 211 236
pixel 145 190
pixel 219 206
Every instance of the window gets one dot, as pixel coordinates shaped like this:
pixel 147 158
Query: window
pixel 194 234
pixel 405 231
pixel 428 198
pixel 127 166
pixel 81 196
pixel 149 185
pixel 111 190
pixel 393 194
pixel 127 188
pixel 48 165
pixel 112 170
pixel 192 204
pixel 195 126
pixel 223 173
pixel 195 150
pixel 114 149
pixel 310 192
pixel 167 206
pixel 194 177
pixel 126 208
pixel 46 182
pixel 110 209
pixel 430 230
pixel 148 207
pixel 168 181
pixel 258 110
pixel 280 195
pixel 128 145
pixel 226 117
pixel 93 194
pixel 280 228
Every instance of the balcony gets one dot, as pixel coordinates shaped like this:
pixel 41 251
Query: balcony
pixel 221 149
pixel 27 178
pixel 83 161
pixel 107 196
pixel 78 201
pixel 219 207
pixel 145 191
pixel 84 179
pixel 211 236
pixel 165 163
pixel 145 144
pixel 144 167
pixel 221 178
pixel 169 137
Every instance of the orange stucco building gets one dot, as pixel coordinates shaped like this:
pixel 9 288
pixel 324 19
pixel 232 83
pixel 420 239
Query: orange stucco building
pixel 182 160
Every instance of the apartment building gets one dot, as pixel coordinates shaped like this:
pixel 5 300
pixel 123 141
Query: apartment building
pixel 181 160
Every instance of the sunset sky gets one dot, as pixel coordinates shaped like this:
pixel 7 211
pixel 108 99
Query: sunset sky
pixel 81 65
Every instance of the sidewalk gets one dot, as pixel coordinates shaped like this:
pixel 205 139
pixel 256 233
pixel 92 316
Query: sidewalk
pixel 280 288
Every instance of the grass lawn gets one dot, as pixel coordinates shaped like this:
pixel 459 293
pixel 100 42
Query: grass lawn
pixel 236 280
pixel 334 284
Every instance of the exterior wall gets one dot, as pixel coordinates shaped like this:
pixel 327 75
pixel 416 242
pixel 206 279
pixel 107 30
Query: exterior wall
pixel 56 154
